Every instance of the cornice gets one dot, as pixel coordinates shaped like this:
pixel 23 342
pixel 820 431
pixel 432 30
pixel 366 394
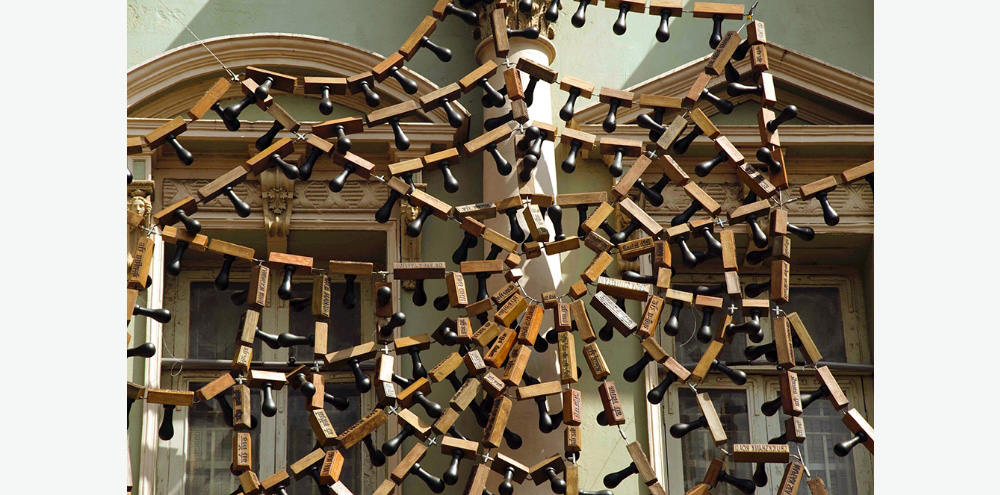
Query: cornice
pixel 318 55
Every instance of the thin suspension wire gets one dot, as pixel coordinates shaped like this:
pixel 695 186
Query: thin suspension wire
pixel 232 74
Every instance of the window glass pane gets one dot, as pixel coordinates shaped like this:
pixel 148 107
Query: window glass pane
pixel 697 447
pixel 214 322
pixel 689 322
pixel 301 440
pixel 824 429
pixel 210 445
pixel 344 326
pixel 819 308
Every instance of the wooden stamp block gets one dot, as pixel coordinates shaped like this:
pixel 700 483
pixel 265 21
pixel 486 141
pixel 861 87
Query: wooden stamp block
pixel 381 70
pixel 479 307
pixel 516 364
pixel 416 453
pixel 728 239
pixel 623 288
pixel 605 95
pixel 596 267
pixel 399 110
pixel 315 85
pixel 503 464
pixel 322 427
pixel 769 98
pixel 809 350
pixel 349 125
pixel 333 463
pixel 495 238
pixel 791 402
pixel 457 298
pixel 501 45
pixel 697 194
pixel 563 320
pixel 172 397
pixel 284 118
pixel 241 407
pixel 538 471
pixel 363 168
pixel 539 390
pixel 321 331
pixel 361 352
pixel 725 319
pixel 598 367
pixel 754 180
pixel 505 292
pixel 468 448
pixel 408 395
pixel 836 396
pixel 723 53
pixel 567 358
pixel 474 361
pixel 497 353
pixel 481 266
pixel 726 10
pixel 446 420
pixel 578 289
pixel 321 297
pixel 594 221
pixel 537 70
pixel 780 275
pixel 385 488
pixel 758 58
pixel 493 434
pixel 134 146
pixel 612 404
pixel 444 368
pixel 572 407
pixel 536 224
pixel 412 43
pixel 666 140
pixel 585 88
pixel 755 33
pixel 470 215
pixel 641 463
pixel 260 278
pixel 530 324
pixel 418 271
pixel 856 423
pixel 463 328
pixel 471 80
pixel 300 468
pixel 512 81
pixel 477 480
pixel 694 94
pixel 249 87
pixel 439 208
pixel 854 173
pixel 159 136
pixel 262 161
pixel 634 172
pixel 657 101
pixel 283 260
pixel 280 82
pixel 781 248
pixel 167 216
pixel 279 478
pixel 213 189
pixel 577 199
pixel 712 418
pixel 778 223
pixel 650 317
pixel 636 247
pixel 511 310
pixel 711 353
pixel 215 387
pixel 407 417
pixel 783 343
pixel 573 439
pixel 704 123
pixel 661 254
pixel 817 487
pixel 757 208
pixel 791 479
pixel 366 425
pixel 578 311
pixel 249 483
pixel 492 385
pixel 241 360
pixel 795 429
pixel 141 262
pixel 756 452
pixel 477 145
pixel 464 395
pixel 733 155
pixel 210 98
pixel 663 278
pixel 646 223
pixel 556 247
pixel 619 319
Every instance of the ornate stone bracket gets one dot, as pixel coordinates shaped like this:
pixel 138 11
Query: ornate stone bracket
pixel 519 20
pixel 277 193
pixel 140 202
pixel 410 247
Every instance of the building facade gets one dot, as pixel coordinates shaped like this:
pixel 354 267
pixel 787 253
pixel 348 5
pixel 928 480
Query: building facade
pixel 821 57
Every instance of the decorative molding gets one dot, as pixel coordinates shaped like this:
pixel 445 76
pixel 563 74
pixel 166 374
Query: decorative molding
pixel 277 192
pixel 749 136
pixel 851 91
pixel 189 63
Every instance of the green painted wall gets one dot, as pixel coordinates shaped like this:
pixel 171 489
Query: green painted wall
pixel 840 33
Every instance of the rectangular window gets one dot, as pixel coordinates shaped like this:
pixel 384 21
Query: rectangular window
pixel 697 447
pixel 210 444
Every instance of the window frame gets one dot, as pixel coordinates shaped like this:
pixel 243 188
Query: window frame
pixel 762 382
pixel 169 460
